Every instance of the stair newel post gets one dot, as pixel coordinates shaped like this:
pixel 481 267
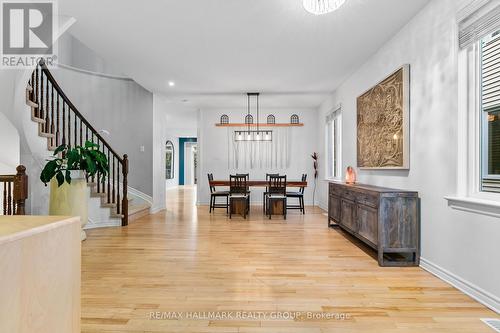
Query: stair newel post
pixel 20 190
pixel 125 185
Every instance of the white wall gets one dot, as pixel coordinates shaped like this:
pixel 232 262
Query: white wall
pixel 123 108
pixel 213 149
pixel 464 244
pixel 10 155
pixel 171 120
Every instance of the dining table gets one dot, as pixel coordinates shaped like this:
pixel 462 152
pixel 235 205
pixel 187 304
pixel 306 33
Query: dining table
pixel 259 183
pixel 275 209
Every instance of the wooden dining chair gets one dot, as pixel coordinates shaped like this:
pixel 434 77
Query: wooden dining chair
pixel 276 192
pixel 247 177
pixel 299 195
pixel 238 192
pixel 214 194
pixel 266 191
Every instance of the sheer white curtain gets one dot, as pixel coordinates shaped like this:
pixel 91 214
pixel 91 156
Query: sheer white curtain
pixel 259 155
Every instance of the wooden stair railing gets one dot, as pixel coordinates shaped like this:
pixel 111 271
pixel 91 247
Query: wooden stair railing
pixel 61 123
pixel 14 192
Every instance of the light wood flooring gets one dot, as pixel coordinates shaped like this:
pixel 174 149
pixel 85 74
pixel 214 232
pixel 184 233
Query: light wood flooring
pixel 189 261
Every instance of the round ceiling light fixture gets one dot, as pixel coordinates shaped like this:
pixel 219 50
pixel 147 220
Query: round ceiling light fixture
pixel 320 7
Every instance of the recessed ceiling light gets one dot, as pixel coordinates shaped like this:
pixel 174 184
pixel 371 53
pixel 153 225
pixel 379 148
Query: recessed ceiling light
pixel 171 83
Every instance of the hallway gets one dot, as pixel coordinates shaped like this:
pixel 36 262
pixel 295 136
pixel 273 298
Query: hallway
pixel 186 260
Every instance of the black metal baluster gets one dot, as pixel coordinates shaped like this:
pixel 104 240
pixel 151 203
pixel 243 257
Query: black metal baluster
pixel 118 210
pixel 37 92
pixel 109 184
pixel 114 172
pixel 69 126
pixel 58 135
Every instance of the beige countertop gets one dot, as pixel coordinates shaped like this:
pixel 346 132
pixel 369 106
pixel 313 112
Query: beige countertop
pixel 15 227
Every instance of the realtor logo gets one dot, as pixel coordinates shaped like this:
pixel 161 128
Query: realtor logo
pixel 27 30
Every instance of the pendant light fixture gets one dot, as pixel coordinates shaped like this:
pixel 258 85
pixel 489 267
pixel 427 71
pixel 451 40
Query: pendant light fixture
pixel 255 134
pixel 320 7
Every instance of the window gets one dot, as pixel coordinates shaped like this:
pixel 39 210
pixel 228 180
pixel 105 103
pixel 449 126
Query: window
pixel 334 145
pixel 478 139
pixel 169 160
pixel 490 113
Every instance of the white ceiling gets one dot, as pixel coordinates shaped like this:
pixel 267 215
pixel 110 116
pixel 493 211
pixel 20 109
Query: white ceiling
pixel 215 50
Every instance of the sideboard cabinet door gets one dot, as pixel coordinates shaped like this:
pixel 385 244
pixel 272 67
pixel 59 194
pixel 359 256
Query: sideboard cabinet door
pixel 334 208
pixel 348 215
pixel 368 223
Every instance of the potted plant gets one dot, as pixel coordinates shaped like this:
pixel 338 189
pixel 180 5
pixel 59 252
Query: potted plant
pixel 67 173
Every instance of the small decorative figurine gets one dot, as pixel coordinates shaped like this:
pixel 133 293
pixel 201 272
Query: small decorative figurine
pixel 350 177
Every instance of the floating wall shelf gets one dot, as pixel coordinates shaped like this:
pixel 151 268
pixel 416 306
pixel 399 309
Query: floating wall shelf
pixel 260 125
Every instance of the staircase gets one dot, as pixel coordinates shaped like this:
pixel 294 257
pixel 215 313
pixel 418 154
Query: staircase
pixel 60 122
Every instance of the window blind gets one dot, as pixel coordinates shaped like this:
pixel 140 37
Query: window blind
pixel 490 103
pixel 482 22
pixel 490 74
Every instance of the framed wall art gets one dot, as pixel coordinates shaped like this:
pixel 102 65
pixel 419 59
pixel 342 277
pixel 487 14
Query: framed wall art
pixel 383 123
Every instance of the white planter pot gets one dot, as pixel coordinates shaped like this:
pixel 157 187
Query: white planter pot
pixel 70 199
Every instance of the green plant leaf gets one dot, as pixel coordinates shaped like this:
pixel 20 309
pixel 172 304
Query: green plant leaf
pixel 68 177
pixel 60 149
pixel 60 178
pixel 50 170
pixel 89 145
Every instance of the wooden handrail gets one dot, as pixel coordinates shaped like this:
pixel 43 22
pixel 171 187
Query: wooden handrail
pixel 65 98
pixel 62 123
pixel 15 192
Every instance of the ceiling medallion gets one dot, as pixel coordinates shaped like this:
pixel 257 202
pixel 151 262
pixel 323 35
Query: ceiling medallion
pixel 320 7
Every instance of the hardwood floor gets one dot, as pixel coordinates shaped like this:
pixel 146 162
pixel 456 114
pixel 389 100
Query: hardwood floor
pixel 188 261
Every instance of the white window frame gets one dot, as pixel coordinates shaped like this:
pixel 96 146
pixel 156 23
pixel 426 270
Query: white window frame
pixel 469 196
pixel 334 115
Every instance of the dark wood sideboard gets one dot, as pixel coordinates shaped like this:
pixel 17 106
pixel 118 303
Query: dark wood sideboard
pixel 385 219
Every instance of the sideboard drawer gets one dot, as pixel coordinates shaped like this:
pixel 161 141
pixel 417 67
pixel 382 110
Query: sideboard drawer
pixel 367 199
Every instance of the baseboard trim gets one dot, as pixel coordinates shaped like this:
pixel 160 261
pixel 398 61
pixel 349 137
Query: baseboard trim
pixel 480 295
pixel 154 210
pixel 91 224
pixel 141 195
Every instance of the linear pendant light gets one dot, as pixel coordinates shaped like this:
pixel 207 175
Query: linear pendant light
pixel 320 7
pixel 253 135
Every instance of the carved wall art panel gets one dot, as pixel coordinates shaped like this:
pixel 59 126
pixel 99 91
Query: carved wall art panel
pixel 383 123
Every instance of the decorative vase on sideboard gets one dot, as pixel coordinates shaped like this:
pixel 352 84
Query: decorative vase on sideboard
pixel 70 199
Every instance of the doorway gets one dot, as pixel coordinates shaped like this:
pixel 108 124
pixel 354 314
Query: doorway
pixel 188 161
